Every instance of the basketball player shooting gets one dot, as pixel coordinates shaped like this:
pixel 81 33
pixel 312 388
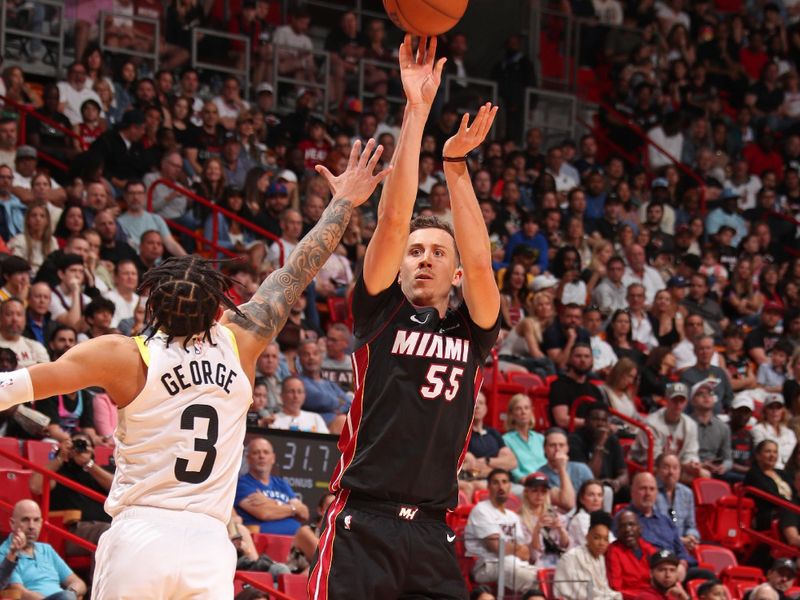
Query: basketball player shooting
pixel 417 367
pixel 182 395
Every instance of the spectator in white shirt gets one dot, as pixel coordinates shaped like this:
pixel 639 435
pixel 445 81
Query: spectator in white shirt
pixel 638 271
pixel 74 92
pixel 586 563
pixel 124 296
pixel 294 47
pixel 291 417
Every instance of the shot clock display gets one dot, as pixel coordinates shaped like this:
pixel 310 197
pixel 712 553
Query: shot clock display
pixel 305 460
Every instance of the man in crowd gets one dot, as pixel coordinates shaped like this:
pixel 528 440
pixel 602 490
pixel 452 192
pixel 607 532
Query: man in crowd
pixel 765 335
pixel 780 578
pixel 603 355
pixel 12 324
pixel 69 297
pixel 122 152
pixel 169 203
pixel 272 373
pixel 112 248
pixel 26 167
pixel 676 500
pixel 491 524
pixel 714 436
pixel 151 249
pixel 665 582
pixel 8 142
pixel 136 220
pixel 265 499
pixel 291 229
pixel 564 475
pixel 75 91
pixel 597 446
pixel 673 432
pixel 572 385
pixel 698 303
pixel 322 395
pixel 628 558
pixel 638 271
pixel 38 322
pixel 560 337
pixel 641 326
pixel 291 417
pixel 40 572
pixel 703 370
pixel 336 364
pixel 610 293
pixel 124 296
pixel 17 275
pixel 12 210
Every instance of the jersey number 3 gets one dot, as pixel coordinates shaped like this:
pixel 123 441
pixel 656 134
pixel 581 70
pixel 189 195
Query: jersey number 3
pixel 206 444
pixel 439 380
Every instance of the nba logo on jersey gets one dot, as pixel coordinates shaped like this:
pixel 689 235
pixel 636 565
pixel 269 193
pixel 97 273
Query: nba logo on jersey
pixel 198 345
pixel 407 512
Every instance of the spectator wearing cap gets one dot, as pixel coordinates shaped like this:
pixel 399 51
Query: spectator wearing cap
pixel 676 500
pixel 627 559
pixel 773 373
pixel 780 577
pixel 638 271
pixel 665 580
pixel 596 446
pixel 26 166
pixel 741 437
pixel 703 370
pixel 12 210
pixel 611 293
pixel 727 214
pixel 586 563
pixel 772 426
pixel 121 151
pixel 572 384
pixel 136 220
pixel 673 432
pixel 12 325
pixel 545 527
pixel 766 334
pixel 491 524
pixel 713 436
pixel 16 278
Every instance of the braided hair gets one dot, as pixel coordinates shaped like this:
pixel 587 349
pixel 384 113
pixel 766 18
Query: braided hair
pixel 184 294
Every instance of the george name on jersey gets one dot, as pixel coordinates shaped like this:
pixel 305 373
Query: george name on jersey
pixel 201 372
pixel 430 345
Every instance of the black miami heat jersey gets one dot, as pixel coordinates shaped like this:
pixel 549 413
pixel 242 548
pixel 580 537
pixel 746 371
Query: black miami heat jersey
pixel 416 378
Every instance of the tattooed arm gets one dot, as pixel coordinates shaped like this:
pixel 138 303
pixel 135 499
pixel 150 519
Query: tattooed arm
pixel 267 311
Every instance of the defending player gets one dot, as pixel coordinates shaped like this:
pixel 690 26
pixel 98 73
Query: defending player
pixel 182 396
pixel 417 367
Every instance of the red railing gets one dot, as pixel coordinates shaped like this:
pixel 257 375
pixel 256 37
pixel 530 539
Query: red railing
pixel 214 241
pixel 646 139
pixel 581 400
pixel 252 582
pixel 763 536
pixel 22 129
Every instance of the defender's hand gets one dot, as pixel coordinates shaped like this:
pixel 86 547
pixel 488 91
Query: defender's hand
pixel 357 183
pixel 467 138
pixel 421 75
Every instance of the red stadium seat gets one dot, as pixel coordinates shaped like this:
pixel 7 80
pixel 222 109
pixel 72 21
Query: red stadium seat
pixel 717 557
pixel 9 445
pixel 479 495
pixel 545 577
pixel 726 516
pixel 706 493
pixel 14 485
pixel 40 452
pixel 277 547
pixel 527 380
pixel 514 503
pixel 102 455
pixel 294 586
pixel 265 579
pixel 741 579
pixel 692 587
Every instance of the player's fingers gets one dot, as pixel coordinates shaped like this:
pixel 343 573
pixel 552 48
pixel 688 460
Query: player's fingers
pixel 464 123
pixel 488 121
pixel 431 57
pixel 326 174
pixel 373 162
pixel 383 174
pixel 423 41
pixel 362 162
pixel 406 57
pixel 355 152
pixel 437 69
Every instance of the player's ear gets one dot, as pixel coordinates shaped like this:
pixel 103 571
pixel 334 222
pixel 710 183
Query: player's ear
pixel 458 277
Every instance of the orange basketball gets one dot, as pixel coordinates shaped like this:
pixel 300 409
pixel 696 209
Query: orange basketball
pixel 425 17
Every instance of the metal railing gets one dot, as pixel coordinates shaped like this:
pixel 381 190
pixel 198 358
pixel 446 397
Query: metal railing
pixel 324 73
pixel 363 92
pixel 105 16
pixel 26 36
pixel 242 74
pixel 215 210
pixel 248 579
pixel 357 6
pixel 465 92
pixel 555 113
pixel 762 536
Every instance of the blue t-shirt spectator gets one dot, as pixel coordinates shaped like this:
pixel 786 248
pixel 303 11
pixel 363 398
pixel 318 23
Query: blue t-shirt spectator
pixel 578 473
pixel 277 489
pixel 538 242
pixel 43 573
pixel 325 397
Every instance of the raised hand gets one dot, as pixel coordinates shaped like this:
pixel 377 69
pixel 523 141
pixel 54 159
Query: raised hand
pixel 422 74
pixel 468 137
pixel 357 182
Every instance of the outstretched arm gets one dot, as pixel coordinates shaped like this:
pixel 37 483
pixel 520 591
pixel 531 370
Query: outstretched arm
pixel 266 313
pixel 421 77
pixel 472 237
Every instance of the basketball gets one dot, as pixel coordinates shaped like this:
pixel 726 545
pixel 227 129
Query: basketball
pixel 425 17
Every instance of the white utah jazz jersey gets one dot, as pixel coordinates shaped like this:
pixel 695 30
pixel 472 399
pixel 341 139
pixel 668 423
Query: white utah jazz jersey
pixel 179 443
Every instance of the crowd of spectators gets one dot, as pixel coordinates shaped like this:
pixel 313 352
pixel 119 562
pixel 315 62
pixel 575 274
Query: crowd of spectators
pixel 668 291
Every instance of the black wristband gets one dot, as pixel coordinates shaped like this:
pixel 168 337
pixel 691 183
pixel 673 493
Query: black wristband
pixel 454 159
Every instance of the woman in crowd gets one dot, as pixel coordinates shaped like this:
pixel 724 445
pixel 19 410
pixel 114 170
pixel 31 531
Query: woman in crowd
pixel 256 185
pixel 619 336
pixel 594 273
pixel 231 234
pixel 773 426
pixel 211 186
pixel 768 285
pixel 70 223
pixel 36 241
pixel 737 363
pixel 108 102
pixel 577 238
pixel 542 523
pixel 764 475
pixel 589 500
pixel 522 344
pixel 666 320
pixel 620 387
pixel 18 90
pixel 124 84
pixel 658 371
pixel 513 296
pixel 526 444
pixel 185 130
pixel 583 568
pixel 741 301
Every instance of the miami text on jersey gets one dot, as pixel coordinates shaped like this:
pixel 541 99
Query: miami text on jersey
pixel 430 345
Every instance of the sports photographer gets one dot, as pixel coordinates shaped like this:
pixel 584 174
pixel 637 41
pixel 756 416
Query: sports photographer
pixel 75 460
